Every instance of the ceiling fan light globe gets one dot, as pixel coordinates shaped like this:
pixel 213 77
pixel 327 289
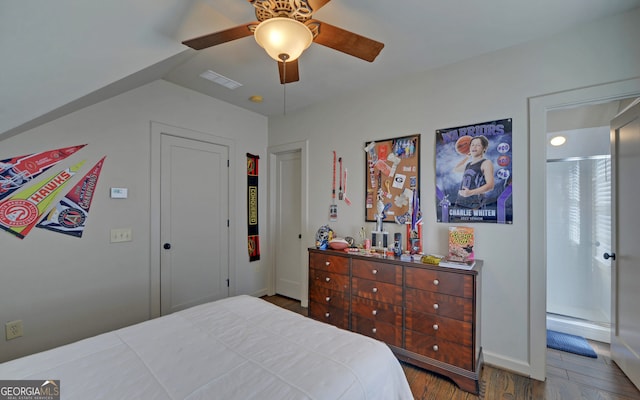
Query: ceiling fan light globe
pixel 282 35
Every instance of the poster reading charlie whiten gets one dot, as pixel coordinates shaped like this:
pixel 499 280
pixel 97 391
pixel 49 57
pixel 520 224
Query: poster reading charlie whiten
pixel 474 174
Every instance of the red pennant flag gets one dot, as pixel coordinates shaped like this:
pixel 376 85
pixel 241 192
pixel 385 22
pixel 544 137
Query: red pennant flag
pixel 17 171
pixel 70 214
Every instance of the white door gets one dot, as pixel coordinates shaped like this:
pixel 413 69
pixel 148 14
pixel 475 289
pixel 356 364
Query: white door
pixel 194 215
pixel 625 335
pixel 288 225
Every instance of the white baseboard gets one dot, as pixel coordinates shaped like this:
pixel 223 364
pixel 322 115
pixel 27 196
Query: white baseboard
pixel 260 293
pixel 579 328
pixel 506 363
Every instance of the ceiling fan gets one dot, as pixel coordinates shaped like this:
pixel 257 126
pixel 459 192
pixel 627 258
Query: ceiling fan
pixel 294 17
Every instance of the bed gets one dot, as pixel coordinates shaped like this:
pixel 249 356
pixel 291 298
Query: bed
pixel 237 348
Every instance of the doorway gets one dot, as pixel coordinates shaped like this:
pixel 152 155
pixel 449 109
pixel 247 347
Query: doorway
pixel 288 227
pixel 194 231
pixel 194 215
pixel 538 115
pixel 289 220
pixel 578 222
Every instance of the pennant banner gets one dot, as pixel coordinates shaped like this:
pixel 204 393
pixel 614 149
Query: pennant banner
pixel 16 172
pixel 70 214
pixel 20 213
pixel 252 207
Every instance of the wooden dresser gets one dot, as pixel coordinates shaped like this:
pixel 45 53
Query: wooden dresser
pixel 427 314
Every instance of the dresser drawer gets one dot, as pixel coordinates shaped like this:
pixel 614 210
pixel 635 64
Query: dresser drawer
pixel 379 291
pixel 330 297
pixel 328 280
pixel 377 311
pixel 459 332
pixel 380 272
pixel 444 305
pixel 437 281
pixel 329 263
pixel 387 333
pixel 331 315
pixel 439 349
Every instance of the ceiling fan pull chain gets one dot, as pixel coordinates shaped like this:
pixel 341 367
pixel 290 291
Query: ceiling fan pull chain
pixel 284 58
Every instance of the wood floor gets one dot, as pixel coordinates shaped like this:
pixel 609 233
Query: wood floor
pixel 569 377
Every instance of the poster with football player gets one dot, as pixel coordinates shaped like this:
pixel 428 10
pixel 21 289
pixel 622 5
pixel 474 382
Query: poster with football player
pixel 474 173
pixel 70 215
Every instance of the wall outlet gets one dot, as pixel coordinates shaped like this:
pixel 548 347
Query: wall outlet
pixel 13 329
pixel 121 235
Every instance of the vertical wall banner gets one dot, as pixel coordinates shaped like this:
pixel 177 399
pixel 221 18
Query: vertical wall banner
pixel 70 215
pixel 17 171
pixel 19 213
pixel 253 241
pixel 474 173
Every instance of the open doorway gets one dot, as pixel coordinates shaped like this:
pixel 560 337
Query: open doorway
pixel 287 232
pixel 539 109
pixel 578 219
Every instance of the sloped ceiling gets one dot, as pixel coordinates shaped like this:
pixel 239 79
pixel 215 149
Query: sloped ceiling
pixel 59 56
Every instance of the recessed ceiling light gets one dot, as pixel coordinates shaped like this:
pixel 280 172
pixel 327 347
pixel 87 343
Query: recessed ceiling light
pixel 558 140
pixel 220 80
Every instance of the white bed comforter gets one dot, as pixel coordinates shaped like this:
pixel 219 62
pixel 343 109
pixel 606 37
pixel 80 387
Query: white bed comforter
pixel 237 348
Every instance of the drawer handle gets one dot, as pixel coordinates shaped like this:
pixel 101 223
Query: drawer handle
pixel 375 271
pixel 327 315
pixel 436 282
pixel 327 263
pixel 435 347
pixel 327 279
pixel 328 299
pixel 435 327
pixel 374 330
pixel 374 312
pixel 374 290
pixel 436 306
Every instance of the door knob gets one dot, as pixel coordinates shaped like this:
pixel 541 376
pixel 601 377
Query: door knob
pixel 167 246
pixel 609 255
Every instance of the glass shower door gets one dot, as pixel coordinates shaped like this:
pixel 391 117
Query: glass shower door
pixel 578 234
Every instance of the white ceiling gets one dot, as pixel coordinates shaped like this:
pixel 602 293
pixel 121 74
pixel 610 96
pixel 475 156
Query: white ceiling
pixel 62 55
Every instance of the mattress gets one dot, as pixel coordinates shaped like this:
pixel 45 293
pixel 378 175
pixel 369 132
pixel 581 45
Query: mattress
pixel 236 348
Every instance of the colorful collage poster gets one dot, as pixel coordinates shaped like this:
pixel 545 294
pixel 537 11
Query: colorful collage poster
pixel 70 214
pixel 20 213
pixel 474 173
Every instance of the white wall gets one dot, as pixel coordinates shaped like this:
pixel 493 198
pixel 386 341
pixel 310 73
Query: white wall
pixel 490 87
pixel 65 288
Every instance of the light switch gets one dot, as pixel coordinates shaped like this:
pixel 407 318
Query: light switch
pixel 121 235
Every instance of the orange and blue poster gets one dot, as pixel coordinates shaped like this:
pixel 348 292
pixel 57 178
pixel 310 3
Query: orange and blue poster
pixel 70 214
pixel 20 213
pixel 17 171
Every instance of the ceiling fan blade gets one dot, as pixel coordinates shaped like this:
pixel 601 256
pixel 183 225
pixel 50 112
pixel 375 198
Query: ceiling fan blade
pixel 291 71
pixel 212 39
pixel 346 42
pixel 317 4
